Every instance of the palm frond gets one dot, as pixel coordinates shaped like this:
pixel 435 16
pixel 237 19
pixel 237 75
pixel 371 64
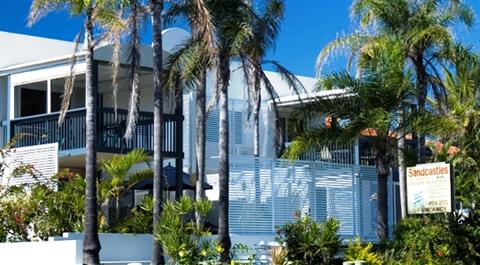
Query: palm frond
pixel 69 81
pixel 40 8
pixel 134 70
pixel 290 78
pixel 341 45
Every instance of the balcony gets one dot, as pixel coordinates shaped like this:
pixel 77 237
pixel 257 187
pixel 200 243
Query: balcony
pixel 43 129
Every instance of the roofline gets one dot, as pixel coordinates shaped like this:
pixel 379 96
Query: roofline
pixel 36 36
pixel 19 67
pixel 292 100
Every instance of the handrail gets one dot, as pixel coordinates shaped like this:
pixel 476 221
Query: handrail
pixel 46 115
pixel 43 128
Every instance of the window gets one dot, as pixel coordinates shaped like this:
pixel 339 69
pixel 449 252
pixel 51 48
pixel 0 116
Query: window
pixel 212 126
pixel 238 126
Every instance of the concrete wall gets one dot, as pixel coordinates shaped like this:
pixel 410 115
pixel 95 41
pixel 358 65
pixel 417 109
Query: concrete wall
pixel 119 247
pixel 42 253
pixel 116 249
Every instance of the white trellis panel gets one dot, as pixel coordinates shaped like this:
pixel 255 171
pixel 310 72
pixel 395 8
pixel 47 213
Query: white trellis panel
pixel 43 158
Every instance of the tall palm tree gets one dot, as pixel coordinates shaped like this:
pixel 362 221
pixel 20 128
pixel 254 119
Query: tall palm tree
pixel 370 105
pixel 189 66
pixel 156 8
pixel 425 29
pixel 93 12
pixel 231 31
pixel 265 29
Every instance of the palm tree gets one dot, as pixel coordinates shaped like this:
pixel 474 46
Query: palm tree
pixel 189 66
pixel 93 11
pixel 156 8
pixel 119 179
pixel 369 106
pixel 265 29
pixel 231 31
pixel 425 31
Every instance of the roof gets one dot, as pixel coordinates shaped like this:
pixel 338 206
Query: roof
pixel 19 51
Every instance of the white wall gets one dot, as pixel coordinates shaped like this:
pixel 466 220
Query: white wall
pixel 3 109
pixel 41 253
pixel 238 105
pixel 116 249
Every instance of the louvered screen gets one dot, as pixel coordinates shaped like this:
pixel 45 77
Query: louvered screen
pixel 43 158
pixel 265 194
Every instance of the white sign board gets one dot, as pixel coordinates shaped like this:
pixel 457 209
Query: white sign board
pixel 429 188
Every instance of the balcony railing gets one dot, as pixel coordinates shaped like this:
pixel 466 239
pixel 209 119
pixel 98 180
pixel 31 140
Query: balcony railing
pixel 44 129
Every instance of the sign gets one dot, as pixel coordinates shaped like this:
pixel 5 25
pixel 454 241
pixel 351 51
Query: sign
pixel 429 188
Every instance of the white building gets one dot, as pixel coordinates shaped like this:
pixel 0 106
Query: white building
pixel 338 183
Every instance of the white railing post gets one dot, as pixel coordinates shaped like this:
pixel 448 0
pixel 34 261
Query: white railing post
pixel 272 172
pixel 354 204
pixel 356 152
pixel 314 184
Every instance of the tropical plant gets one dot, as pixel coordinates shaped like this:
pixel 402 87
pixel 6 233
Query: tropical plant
pixel 369 107
pixel 279 255
pixel 189 66
pixel 424 30
pixel 179 235
pixel 231 31
pixel 156 9
pixel 427 240
pixel 309 243
pixel 36 211
pixel 357 250
pixel 265 24
pixel 119 178
pixel 104 13
pixel 139 220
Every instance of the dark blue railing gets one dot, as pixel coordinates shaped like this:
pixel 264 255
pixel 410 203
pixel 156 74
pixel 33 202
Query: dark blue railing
pixel 43 129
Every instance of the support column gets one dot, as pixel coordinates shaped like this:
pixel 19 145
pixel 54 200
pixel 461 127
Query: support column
pixel 356 152
pixel 179 144
pixel 10 99
pixel 49 96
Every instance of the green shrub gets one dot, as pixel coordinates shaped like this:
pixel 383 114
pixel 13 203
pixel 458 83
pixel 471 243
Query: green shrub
pixel 180 237
pixel 139 220
pixel 36 211
pixel 310 243
pixel 434 239
pixel 357 250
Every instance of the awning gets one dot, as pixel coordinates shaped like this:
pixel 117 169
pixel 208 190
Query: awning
pixel 170 174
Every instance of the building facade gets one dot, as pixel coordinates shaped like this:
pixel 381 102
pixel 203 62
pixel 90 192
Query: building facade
pixel 338 181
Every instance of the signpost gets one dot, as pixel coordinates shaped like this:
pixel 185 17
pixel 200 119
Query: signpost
pixel 429 188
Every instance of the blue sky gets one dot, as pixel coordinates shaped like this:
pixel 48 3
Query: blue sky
pixel 308 26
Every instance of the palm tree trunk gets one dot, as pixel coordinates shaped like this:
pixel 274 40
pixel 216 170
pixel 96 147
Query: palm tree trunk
pixel 91 243
pixel 256 132
pixel 401 172
pixel 156 7
pixel 382 198
pixel 117 210
pixel 223 168
pixel 422 86
pixel 200 146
